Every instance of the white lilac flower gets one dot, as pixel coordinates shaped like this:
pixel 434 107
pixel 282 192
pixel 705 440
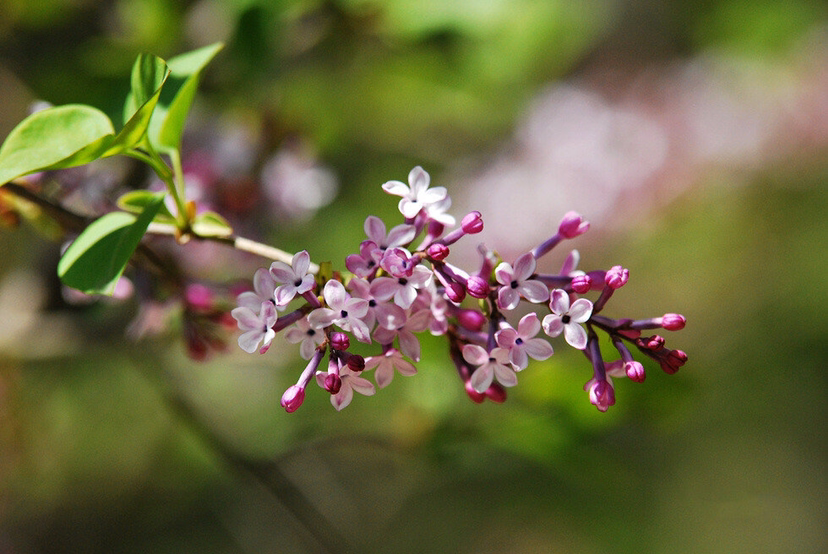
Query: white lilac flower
pixel 342 311
pixel 350 382
pixel 257 328
pixel 409 345
pixel 309 337
pixel 437 212
pixel 489 365
pixel 386 364
pixel 521 344
pixel 294 278
pixel 263 287
pixel 567 319
pixel 416 195
pixel 515 282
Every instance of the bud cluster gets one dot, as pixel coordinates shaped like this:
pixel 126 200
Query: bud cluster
pixel 395 290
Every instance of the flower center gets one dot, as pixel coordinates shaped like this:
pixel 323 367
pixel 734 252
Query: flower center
pixel 297 282
pixel 343 313
pixel 514 284
pixel 565 318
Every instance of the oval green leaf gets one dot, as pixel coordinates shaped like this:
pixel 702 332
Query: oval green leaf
pixel 136 202
pixel 55 138
pixel 95 261
pixel 211 224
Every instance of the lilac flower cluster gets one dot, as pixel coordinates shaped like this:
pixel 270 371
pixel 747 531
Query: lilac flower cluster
pixel 395 291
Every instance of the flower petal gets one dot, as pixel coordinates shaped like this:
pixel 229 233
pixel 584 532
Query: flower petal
pixel 528 326
pixel 282 272
pixel 538 349
pixel 335 294
pixel 559 301
pixel 552 325
pixel 507 298
pixel 301 263
pixel 575 335
pixel 524 267
pixel 397 188
pixel 580 310
pixel 533 291
pixel 482 378
pixel 475 354
pixel 505 375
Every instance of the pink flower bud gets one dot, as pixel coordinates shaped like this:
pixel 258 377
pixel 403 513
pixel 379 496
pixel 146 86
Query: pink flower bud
pixel 476 397
pixel 455 292
pixel 437 251
pixel 477 287
pixel 356 363
pixel 340 341
pixel 601 394
pixel 654 343
pixel 198 297
pixel 673 322
pixel 635 371
pixel 472 223
pixel 617 277
pixel 333 383
pixel 572 225
pixel 673 361
pixel 496 393
pixel 473 320
pixel 581 283
pixel 293 398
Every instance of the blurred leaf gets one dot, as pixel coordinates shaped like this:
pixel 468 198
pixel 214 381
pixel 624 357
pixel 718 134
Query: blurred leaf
pixel 211 224
pixel 97 258
pixel 167 123
pixel 136 202
pixel 55 138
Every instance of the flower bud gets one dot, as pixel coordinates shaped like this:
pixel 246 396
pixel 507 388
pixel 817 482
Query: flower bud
pixel 601 394
pixel 340 341
pixel 572 225
pixel 437 251
pixel 473 320
pixel 333 383
pixel 654 343
pixel 455 292
pixel 198 297
pixel 477 287
pixel 635 371
pixel 673 322
pixel 581 283
pixel 617 277
pixel 673 361
pixel 356 363
pixel 476 397
pixel 293 398
pixel 472 223
pixel 496 393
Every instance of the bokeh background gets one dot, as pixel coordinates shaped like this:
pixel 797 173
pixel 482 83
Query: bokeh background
pixel 692 135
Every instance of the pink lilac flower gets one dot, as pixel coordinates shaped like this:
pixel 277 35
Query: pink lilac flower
pixel 392 359
pixel 386 314
pixel 366 262
pixel 416 195
pixel 398 236
pixel 257 328
pixel 489 365
pixel 263 287
pixel 520 343
pixel 516 283
pixel 567 319
pixel 405 283
pixel 342 311
pixel 409 345
pixel 350 382
pixel 309 337
pixel 295 278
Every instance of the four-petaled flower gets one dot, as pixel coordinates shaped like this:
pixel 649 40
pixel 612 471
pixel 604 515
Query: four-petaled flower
pixel 350 382
pixel 257 328
pixel 385 365
pixel 263 287
pixel 567 319
pixel 516 283
pixel 409 344
pixel 489 365
pixel 295 278
pixel 520 343
pixel 309 337
pixel 416 195
pixel 342 311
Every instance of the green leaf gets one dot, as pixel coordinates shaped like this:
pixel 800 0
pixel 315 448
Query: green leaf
pixel 136 201
pixel 148 76
pixel 55 138
pixel 167 123
pixel 97 258
pixel 211 224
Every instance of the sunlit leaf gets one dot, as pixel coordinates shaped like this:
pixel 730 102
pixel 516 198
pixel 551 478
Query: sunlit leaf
pixel 136 201
pixel 211 224
pixel 97 258
pixel 170 115
pixel 148 76
pixel 55 138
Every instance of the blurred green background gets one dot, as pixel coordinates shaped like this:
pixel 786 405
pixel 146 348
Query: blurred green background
pixel 693 136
